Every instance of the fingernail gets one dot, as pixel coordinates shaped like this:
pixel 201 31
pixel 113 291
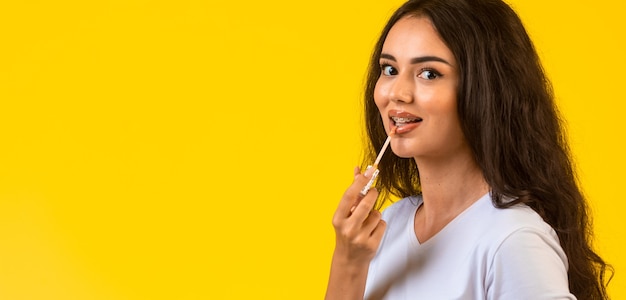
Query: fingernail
pixel 369 184
pixel 368 171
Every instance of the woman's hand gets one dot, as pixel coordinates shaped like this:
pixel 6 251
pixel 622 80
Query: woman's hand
pixel 358 227
pixel 359 230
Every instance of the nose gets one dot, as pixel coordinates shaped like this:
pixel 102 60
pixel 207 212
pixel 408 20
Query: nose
pixel 402 90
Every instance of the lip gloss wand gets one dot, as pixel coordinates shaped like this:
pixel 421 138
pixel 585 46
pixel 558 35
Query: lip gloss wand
pixel 369 184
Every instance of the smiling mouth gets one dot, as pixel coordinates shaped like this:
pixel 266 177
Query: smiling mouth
pixel 401 121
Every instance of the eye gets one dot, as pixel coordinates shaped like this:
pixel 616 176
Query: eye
pixel 389 70
pixel 429 74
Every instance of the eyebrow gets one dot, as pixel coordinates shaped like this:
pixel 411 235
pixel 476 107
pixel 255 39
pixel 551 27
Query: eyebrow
pixel 417 60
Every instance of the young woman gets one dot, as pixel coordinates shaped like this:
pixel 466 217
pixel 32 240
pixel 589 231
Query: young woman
pixel 491 208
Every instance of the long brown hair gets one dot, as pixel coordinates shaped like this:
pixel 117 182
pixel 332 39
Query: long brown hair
pixel 510 120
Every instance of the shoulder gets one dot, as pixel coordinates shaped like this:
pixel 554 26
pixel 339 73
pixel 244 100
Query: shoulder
pixel 399 217
pixel 487 228
pixel 526 264
pixel 504 229
pixel 402 207
pixel 525 258
pixel 503 223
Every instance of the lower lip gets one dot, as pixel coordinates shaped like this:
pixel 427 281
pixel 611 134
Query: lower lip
pixel 406 128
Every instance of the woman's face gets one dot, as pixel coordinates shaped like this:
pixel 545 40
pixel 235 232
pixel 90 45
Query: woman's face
pixel 416 91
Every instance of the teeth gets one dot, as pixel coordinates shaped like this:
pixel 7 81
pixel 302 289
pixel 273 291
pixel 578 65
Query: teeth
pixel 403 120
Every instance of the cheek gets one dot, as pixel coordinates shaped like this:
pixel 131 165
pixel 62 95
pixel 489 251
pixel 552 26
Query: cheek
pixel 449 114
pixel 441 102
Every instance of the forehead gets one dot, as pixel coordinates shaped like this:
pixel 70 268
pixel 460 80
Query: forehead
pixel 415 36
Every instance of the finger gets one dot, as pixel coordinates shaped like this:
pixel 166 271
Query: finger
pixel 379 231
pixel 357 171
pixel 368 171
pixel 371 174
pixel 352 195
pixel 360 181
pixel 371 222
pixel 365 206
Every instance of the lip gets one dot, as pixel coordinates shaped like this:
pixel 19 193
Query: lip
pixel 403 114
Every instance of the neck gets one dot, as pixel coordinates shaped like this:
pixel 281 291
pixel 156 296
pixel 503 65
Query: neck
pixel 449 186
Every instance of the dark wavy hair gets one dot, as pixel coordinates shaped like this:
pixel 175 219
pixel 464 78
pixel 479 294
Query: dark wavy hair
pixel 510 120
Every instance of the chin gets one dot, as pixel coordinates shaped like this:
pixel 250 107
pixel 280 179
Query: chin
pixel 403 151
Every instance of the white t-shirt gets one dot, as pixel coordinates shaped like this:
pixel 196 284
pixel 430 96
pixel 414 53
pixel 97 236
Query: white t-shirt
pixel 484 253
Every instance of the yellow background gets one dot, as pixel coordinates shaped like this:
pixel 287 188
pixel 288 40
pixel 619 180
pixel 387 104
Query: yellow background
pixel 197 149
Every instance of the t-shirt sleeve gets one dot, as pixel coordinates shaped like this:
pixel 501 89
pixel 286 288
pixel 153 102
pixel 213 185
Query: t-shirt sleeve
pixel 528 264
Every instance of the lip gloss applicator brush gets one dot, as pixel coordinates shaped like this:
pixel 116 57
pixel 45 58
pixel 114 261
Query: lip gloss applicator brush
pixel 369 184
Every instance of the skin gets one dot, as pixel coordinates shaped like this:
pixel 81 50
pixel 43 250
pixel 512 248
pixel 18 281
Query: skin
pixel 450 178
pixel 358 232
pixel 451 181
